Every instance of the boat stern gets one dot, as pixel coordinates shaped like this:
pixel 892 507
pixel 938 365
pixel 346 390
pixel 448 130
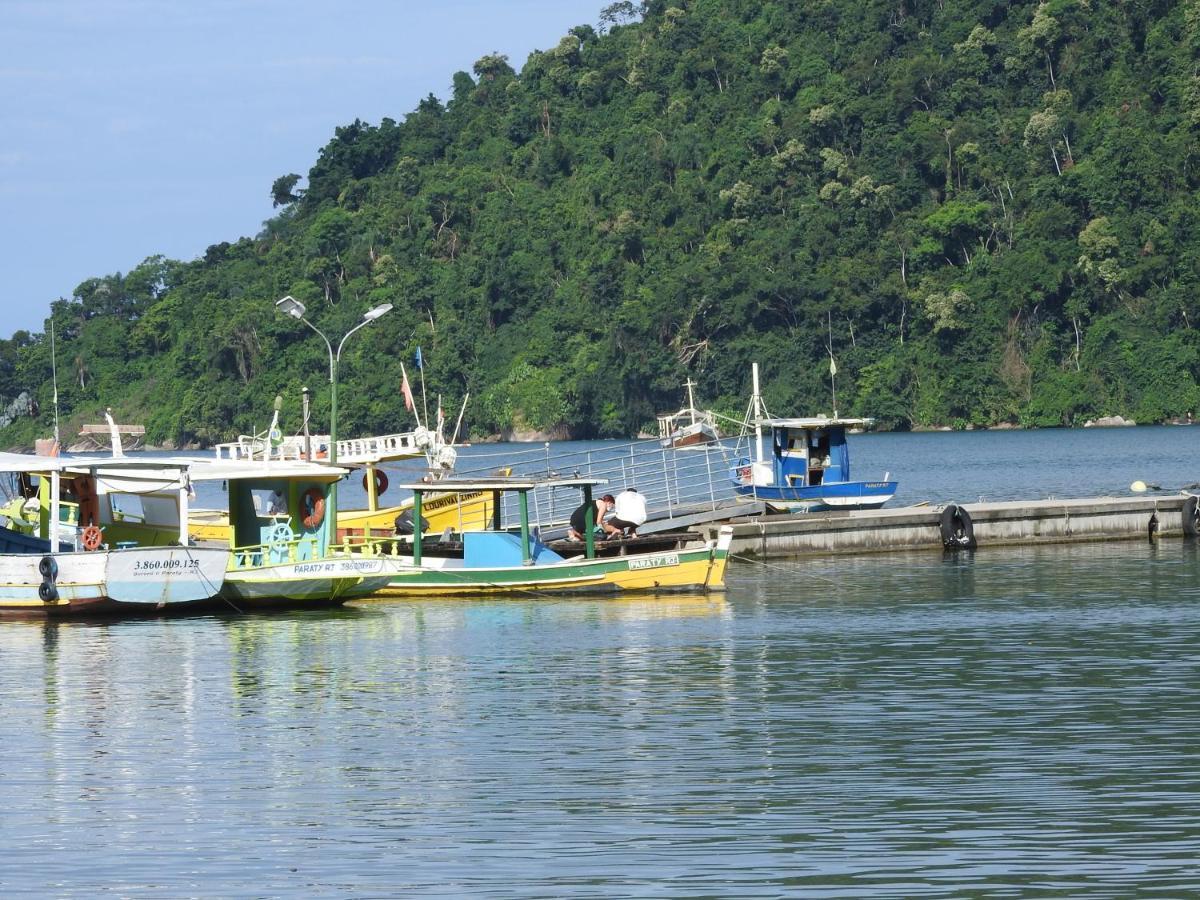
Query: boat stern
pixel 719 559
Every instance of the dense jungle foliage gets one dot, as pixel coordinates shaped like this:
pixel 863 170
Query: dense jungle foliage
pixel 984 209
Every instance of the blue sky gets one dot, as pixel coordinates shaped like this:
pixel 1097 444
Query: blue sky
pixel 130 128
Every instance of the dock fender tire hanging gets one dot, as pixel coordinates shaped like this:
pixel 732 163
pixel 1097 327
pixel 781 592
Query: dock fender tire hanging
pixel 48 568
pixel 957 531
pixel 313 504
pixel 47 592
pixel 381 481
pixel 91 538
pixel 1191 516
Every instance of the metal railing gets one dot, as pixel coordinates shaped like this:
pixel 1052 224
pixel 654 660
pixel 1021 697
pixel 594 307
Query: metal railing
pixel 674 481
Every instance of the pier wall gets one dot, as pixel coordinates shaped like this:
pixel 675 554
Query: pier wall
pixel 995 524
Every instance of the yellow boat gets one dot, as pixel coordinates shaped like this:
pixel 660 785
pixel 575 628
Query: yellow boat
pixel 519 561
pixel 456 510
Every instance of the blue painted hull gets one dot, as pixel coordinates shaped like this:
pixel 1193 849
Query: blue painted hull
pixel 838 495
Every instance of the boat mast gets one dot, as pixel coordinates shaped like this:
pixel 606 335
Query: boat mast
pixel 54 378
pixel 274 435
pixel 114 434
pixel 832 366
pixel 691 401
pixel 757 403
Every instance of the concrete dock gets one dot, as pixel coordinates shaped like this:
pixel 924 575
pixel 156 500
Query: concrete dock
pixel 994 524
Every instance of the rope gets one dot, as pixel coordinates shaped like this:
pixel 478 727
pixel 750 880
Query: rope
pixel 216 593
pixel 791 570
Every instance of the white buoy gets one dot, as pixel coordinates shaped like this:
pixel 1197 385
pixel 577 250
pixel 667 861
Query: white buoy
pixel 1138 487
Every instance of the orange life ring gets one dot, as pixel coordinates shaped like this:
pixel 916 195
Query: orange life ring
pixel 91 537
pixel 381 481
pixel 313 504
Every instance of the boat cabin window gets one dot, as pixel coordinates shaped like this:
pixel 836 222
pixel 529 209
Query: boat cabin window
pixel 126 508
pixel 268 502
pixel 820 447
pixel 160 509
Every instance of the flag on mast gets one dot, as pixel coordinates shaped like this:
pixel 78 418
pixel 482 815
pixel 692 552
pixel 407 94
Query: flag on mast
pixel 405 389
pixel 419 358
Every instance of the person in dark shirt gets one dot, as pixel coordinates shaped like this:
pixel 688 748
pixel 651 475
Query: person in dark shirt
pixel 579 519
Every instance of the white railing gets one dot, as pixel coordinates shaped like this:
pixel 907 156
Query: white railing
pixel 355 451
pixel 387 446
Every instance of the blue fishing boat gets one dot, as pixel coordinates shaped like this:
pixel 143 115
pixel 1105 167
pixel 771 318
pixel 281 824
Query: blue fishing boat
pixel 808 467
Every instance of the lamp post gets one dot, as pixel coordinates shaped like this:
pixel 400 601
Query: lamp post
pixel 291 306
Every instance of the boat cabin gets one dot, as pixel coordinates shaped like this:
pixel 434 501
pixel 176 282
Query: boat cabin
pixel 803 453
pixel 498 546
pixel 96 499
pixel 523 543
pixel 276 509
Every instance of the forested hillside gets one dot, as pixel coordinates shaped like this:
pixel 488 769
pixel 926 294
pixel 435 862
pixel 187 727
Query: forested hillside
pixel 986 209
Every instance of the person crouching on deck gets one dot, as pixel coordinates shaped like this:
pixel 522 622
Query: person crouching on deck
pixel 579 519
pixel 629 512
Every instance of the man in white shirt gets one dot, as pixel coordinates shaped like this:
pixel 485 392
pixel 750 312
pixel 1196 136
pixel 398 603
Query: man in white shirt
pixel 629 511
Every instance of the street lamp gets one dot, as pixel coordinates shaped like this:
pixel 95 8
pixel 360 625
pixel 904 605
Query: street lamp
pixel 291 306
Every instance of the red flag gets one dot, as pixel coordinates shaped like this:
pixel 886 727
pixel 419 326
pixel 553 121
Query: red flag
pixel 405 389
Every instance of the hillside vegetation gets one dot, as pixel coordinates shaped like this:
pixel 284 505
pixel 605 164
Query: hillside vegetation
pixel 985 209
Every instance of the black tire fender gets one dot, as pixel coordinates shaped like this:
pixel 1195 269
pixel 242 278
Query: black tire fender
pixel 957 531
pixel 48 568
pixel 47 592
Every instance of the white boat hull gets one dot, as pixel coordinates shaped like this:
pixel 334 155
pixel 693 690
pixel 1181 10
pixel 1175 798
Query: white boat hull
pixel 138 580
pixel 329 580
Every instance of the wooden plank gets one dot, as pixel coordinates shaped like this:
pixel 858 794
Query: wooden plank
pixel 688 516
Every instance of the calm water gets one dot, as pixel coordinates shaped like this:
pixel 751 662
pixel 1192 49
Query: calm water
pixel 1020 722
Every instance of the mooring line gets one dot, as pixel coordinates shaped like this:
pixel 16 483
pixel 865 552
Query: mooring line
pixel 778 568
pixel 217 593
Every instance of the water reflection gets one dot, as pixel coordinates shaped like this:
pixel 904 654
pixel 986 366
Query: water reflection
pixel 1008 721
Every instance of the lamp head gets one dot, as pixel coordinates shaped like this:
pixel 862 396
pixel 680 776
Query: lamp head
pixel 372 314
pixel 291 306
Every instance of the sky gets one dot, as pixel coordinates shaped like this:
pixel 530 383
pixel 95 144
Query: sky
pixel 130 128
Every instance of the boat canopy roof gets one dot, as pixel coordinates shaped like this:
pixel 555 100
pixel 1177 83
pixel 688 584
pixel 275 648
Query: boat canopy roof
pixel 123 474
pixel 464 485
pixel 289 469
pixel 817 422
pixel 82 465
